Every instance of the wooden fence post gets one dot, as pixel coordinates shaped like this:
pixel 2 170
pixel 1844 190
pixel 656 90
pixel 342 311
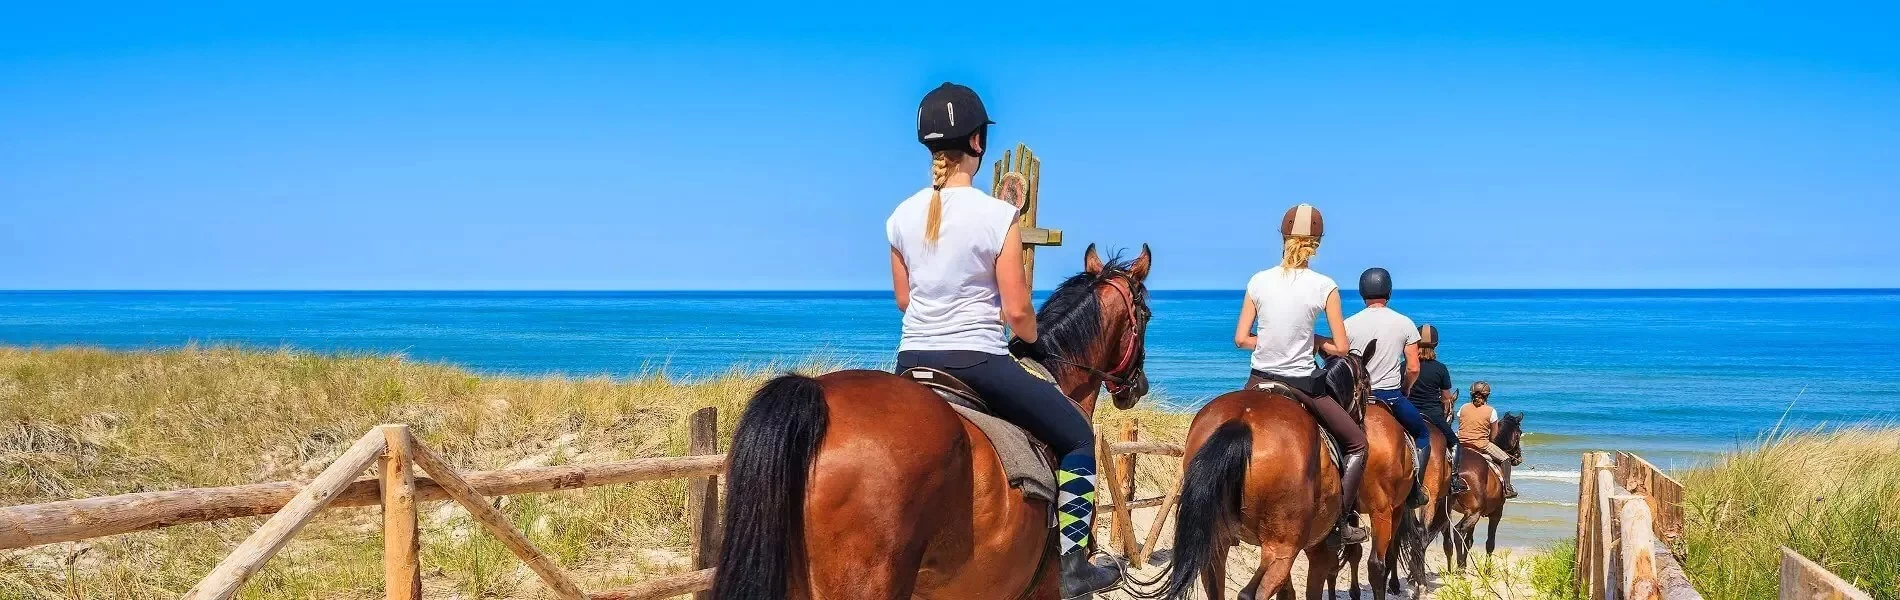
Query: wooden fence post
pixel 1130 431
pixel 1802 579
pixel 702 494
pixel 1608 576
pixel 402 570
pixel 1123 528
pixel 1637 549
pixel 496 523
pixel 231 573
pixel 1586 530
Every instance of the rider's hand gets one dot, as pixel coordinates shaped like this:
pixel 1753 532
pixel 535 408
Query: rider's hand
pixel 1022 349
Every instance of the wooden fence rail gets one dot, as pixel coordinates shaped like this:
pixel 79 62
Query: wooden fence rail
pixel 397 488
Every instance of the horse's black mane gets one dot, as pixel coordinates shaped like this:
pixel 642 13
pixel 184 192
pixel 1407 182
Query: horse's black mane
pixel 1072 316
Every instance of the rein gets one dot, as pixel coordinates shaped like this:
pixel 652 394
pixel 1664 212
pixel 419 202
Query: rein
pixel 1123 376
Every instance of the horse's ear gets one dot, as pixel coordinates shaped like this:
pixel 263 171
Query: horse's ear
pixel 1091 262
pixel 1139 268
pixel 1372 347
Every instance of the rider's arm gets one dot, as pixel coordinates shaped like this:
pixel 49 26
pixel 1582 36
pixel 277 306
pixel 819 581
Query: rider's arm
pixel 1337 345
pixel 1411 367
pixel 1244 337
pixel 1451 397
pixel 1018 311
pixel 900 280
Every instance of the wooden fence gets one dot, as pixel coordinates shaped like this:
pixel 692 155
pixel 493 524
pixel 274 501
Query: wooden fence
pixel 396 454
pixel 1117 463
pixel 1629 516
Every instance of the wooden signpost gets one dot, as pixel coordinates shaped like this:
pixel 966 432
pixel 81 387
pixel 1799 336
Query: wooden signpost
pixel 1016 179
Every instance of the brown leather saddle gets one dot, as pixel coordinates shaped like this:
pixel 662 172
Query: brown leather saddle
pixel 1326 437
pixel 1026 461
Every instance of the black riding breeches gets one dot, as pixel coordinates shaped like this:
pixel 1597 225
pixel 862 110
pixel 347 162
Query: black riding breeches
pixel 1013 394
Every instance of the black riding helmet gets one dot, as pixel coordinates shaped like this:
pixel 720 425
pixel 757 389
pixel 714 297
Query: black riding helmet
pixel 1375 284
pixel 948 116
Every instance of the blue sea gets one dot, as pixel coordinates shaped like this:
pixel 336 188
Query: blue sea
pixel 1675 376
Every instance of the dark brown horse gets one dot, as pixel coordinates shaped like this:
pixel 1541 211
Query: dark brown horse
pixel 1397 532
pixel 1484 490
pixel 865 485
pixel 1257 473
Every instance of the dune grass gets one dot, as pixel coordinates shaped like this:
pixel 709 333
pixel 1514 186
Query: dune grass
pixel 1833 496
pixel 78 422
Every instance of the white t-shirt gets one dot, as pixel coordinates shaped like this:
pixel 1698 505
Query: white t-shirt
pixel 954 304
pixel 1394 332
pixel 1286 303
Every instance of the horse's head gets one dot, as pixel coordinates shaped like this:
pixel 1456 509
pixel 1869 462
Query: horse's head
pixel 1347 379
pixel 1511 434
pixel 1095 325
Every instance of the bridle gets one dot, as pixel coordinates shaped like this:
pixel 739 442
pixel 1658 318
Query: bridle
pixel 1128 369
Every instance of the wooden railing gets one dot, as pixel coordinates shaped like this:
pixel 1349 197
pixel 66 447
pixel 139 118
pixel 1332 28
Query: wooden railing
pixel 1117 464
pixel 396 453
pixel 1629 515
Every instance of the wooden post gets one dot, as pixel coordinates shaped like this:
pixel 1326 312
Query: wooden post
pixel 1586 529
pixel 702 494
pixel 1607 575
pixel 1802 579
pixel 1636 549
pixel 1161 519
pixel 1017 179
pixel 1123 527
pixel 496 523
pixel 1125 464
pixel 402 570
pixel 230 574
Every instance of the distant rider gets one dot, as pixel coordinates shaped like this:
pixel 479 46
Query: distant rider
pixel 1477 425
pixel 1276 323
pixel 1392 330
pixel 1432 390
pixel 957 270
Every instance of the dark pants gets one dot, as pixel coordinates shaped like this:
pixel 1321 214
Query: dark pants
pixel 1408 416
pixel 1331 415
pixel 1435 414
pixel 1013 394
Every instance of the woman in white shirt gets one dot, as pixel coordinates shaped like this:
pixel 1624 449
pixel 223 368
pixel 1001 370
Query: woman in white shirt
pixel 957 271
pixel 1276 323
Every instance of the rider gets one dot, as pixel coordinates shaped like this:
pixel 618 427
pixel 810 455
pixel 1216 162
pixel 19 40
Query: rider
pixel 957 270
pixel 1432 390
pixel 1477 424
pixel 1392 330
pixel 1283 302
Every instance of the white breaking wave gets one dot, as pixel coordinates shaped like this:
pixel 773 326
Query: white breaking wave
pixel 1567 476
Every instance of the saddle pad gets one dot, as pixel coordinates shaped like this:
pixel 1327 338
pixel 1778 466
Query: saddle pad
pixel 1332 448
pixel 1027 466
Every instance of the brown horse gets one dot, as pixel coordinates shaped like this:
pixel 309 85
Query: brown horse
pixel 863 484
pixel 1258 473
pixel 1484 491
pixel 1397 533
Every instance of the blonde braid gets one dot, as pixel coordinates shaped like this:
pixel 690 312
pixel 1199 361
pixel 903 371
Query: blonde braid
pixel 939 175
pixel 1297 251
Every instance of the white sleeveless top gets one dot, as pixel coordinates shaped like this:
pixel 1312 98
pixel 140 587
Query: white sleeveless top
pixel 1286 304
pixel 954 304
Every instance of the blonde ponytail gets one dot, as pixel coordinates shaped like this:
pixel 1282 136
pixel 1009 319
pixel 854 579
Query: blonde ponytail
pixel 1298 250
pixel 939 175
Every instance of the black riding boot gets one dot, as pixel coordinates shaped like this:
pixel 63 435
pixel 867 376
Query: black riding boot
pixel 1349 530
pixel 1505 469
pixel 1082 578
pixel 1417 498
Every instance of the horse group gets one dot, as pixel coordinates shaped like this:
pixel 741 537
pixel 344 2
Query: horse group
pixel 864 484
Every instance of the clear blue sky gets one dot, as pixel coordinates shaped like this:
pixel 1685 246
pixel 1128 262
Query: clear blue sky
pixel 709 145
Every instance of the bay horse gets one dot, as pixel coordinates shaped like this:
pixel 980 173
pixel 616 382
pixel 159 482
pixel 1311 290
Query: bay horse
pixel 1484 491
pixel 1397 531
pixel 863 484
pixel 1258 472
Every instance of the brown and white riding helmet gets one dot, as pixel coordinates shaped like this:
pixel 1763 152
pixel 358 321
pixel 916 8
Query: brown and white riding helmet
pixel 1303 220
pixel 1427 336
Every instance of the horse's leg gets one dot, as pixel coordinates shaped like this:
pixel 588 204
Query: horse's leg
pixel 1491 532
pixel 882 561
pixel 1444 522
pixel 1463 531
pixel 1322 571
pixel 1354 573
pixel 1276 568
pixel 1382 532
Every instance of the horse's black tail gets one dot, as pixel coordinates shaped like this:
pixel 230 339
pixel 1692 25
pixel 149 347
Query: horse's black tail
pixel 1413 539
pixel 771 453
pixel 1210 507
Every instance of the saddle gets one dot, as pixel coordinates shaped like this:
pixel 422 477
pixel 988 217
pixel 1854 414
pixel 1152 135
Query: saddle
pixel 1411 442
pixel 1027 462
pixel 1327 440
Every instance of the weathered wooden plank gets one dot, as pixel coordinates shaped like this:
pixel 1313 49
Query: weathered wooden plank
pixel 1636 543
pixel 1037 236
pixel 1155 448
pixel 69 520
pixel 1123 525
pixel 1675 583
pixel 1125 464
pixel 1586 526
pixel 702 494
pixel 1802 579
pixel 496 523
pixel 402 541
pixel 231 573
pixel 1142 503
pixel 662 587
pixel 1607 573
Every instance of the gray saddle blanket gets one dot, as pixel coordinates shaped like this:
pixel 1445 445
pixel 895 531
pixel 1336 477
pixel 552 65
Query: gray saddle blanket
pixel 1024 462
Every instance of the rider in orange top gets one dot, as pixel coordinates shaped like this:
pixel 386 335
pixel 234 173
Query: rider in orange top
pixel 1477 424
